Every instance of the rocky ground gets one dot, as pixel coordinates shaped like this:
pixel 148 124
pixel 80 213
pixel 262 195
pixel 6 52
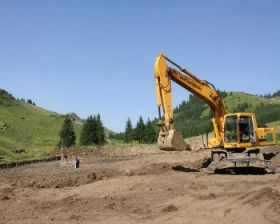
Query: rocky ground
pixel 136 185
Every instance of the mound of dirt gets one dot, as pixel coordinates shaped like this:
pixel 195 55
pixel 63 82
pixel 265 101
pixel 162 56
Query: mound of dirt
pixel 201 163
pixel 154 168
pixel 276 160
pixel 169 208
pixel 158 168
pixel 266 195
pixel 145 185
pixel 73 179
pixel 4 198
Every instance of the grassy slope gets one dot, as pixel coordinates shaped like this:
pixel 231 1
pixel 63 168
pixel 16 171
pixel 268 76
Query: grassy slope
pixel 239 97
pixel 232 101
pixel 27 127
pixel 30 128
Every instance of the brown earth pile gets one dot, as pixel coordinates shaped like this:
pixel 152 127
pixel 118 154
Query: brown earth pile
pixel 136 185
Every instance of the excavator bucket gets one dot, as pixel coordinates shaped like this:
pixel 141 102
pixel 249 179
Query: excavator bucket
pixel 172 140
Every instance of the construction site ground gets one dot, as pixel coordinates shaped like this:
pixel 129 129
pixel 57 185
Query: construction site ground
pixel 136 185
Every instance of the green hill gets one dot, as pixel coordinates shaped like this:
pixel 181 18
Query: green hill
pixel 28 131
pixel 192 118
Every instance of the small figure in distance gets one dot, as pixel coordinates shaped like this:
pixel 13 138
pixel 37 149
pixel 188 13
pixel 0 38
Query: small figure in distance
pixel 77 162
pixel 62 157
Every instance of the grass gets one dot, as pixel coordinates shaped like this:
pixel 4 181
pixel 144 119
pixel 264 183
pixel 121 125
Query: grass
pixel 236 98
pixel 29 129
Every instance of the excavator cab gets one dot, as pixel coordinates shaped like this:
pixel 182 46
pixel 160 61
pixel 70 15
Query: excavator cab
pixel 241 131
pixel 239 128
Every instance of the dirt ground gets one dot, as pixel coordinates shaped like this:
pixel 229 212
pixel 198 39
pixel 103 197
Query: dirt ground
pixel 136 185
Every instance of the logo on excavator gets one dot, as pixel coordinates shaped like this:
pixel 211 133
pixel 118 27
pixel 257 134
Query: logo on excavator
pixel 189 82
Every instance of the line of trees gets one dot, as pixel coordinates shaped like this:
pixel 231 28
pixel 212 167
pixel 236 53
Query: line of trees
pixel 269 95
pixel 92 132
pixel 142 133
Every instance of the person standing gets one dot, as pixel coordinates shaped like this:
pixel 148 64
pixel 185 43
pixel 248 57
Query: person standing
pixel 77 162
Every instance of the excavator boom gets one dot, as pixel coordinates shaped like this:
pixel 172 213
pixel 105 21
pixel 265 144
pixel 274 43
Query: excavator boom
pixel 203 89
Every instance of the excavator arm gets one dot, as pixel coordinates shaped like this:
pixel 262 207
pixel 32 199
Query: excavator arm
pixel 169 137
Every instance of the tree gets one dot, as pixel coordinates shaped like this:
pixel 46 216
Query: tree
pixel 92 131
pixel 128 134
pixel 119 136
pixel 88 132
pixel 150 133
pixel 139 132
pixel 100 133
pixel 67 134
pixel 277 93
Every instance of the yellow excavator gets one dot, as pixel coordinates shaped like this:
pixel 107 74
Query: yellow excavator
pixel 236 135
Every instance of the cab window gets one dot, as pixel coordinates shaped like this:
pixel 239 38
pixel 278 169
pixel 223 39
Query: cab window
pixel 246 129
pixel 230 129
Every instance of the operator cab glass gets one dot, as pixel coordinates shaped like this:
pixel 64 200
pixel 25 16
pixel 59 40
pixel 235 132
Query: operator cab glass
pixel 239 130
pixel 231 128
pixel 246 129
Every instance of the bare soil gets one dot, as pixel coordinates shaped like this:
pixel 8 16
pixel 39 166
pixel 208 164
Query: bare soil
pixel 136 185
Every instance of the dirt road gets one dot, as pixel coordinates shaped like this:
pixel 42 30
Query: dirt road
pixel 136 185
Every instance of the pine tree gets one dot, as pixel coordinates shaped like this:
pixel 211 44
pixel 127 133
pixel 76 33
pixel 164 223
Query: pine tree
pixel 139 132
pixel 150 133
pixel 88 132
pixel 128 134
pixel 92 131
pixel 67 134
pixel 100 133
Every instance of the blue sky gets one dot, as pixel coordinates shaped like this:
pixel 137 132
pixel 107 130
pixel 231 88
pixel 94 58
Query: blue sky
pixel 94 57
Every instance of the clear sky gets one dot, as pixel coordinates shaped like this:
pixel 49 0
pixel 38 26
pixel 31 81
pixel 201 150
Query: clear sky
pixel 94 57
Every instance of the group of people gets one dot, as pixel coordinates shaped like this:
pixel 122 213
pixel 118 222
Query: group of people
pixel 63 158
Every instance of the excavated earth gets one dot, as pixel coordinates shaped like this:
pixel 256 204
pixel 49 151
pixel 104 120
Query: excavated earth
pixel 136 185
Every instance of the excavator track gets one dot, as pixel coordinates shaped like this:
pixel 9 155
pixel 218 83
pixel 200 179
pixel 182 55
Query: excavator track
pixel 223 160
